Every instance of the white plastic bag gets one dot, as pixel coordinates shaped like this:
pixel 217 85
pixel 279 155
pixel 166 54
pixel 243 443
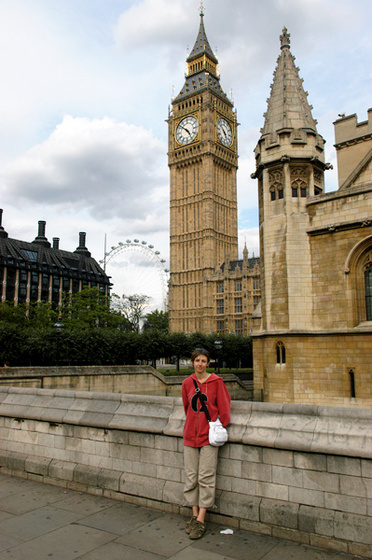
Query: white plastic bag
pixel 217 433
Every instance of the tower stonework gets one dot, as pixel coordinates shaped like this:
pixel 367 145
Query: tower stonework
pixel 312 333
pixel 290 166
pixel 203 162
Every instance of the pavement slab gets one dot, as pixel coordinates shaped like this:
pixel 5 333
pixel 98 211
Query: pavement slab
pixel 121 518
pixel 166 535
pixel 117 551
pixel 67 543
pixel 43 522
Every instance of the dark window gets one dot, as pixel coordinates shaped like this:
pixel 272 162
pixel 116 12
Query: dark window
pixel 75 285
pixel 220 326
pixel 10 284
pixel 220 288
pixel 280 353
pixel 45 287
pixel 352 383
pixel 238 285
pixel 34 286
pixel 65 284
pixel 22 289
pixel 238 305
pixel 239 326
pixel 30 255
pixel 368 286
pixel 220 306
pixel 55 291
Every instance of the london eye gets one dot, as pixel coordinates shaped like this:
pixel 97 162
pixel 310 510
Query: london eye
pixel 135 267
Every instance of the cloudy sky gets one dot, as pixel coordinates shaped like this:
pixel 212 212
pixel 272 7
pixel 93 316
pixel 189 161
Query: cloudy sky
pixel 85 91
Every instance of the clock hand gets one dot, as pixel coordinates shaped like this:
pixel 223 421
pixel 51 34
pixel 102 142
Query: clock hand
pixel 187 130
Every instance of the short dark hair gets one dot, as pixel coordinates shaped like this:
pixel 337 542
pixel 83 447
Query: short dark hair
pixel 200 352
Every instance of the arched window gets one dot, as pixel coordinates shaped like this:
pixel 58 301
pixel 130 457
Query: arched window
pixel 358 268
pixel 368 288
pixel 276 184
pixel 280 353
pixel 299 188
pixel 299 182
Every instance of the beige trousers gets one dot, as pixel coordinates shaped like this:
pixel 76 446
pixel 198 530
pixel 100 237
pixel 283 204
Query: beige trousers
pixel 200 468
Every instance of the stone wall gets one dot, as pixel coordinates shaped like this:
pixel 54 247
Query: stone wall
pixel 138 380
pixel 317 369
pixel 298 472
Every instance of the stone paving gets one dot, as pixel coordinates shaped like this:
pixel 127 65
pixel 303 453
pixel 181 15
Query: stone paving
pixel 44 522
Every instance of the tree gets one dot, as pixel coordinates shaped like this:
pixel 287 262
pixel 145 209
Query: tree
pixel 90 309
pixel 178 346
pixel 157 321
pixel 132 308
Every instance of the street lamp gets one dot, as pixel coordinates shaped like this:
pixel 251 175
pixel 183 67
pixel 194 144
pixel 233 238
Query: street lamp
pixel 58 329
pixel 218 346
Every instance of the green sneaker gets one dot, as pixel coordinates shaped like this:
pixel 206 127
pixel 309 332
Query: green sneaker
pixel 197 530
pixel 190 524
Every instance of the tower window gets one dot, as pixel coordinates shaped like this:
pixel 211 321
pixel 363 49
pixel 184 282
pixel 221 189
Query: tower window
pixel 299 182
pixel 238 285
pixel 280 353
pixel 239 326
pixel 220 306
pixel 276 184
pixel 220 326
pixel 238 305
pixel 220 288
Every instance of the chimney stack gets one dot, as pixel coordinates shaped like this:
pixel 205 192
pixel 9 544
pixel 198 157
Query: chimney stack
pixel 3 233
pixel 82 250
pixel 41 239
pixel 55 242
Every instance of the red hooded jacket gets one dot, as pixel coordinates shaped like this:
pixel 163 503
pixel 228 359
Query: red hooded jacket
pixel 217 400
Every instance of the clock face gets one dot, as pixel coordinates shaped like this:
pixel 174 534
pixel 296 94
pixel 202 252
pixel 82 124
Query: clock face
pixel 224 132
pixel 187 129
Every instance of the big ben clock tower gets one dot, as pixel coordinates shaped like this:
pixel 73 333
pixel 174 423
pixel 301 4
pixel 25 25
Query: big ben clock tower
pixel 203 162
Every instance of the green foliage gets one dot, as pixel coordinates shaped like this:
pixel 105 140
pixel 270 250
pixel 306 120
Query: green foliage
pixel 157 321
pixel 96 334
pixel 91 309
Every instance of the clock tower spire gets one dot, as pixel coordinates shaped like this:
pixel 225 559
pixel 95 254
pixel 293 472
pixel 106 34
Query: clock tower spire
pixel 203 161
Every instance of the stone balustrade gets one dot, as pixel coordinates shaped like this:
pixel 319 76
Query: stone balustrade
pixel 294 471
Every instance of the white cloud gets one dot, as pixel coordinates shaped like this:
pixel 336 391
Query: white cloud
pixel 153 22
pixel 108 168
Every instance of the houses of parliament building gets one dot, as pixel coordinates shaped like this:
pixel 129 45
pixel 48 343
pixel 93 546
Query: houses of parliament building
pixel 307 301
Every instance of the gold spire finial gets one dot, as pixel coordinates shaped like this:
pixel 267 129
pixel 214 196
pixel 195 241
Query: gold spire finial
pixel 201 9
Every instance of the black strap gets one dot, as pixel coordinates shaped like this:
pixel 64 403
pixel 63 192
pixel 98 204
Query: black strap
pixel 202 403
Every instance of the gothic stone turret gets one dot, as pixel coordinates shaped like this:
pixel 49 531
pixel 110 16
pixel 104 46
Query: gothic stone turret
pixel 289 169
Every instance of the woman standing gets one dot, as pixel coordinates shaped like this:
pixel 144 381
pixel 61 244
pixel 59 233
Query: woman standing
pixel 199 456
